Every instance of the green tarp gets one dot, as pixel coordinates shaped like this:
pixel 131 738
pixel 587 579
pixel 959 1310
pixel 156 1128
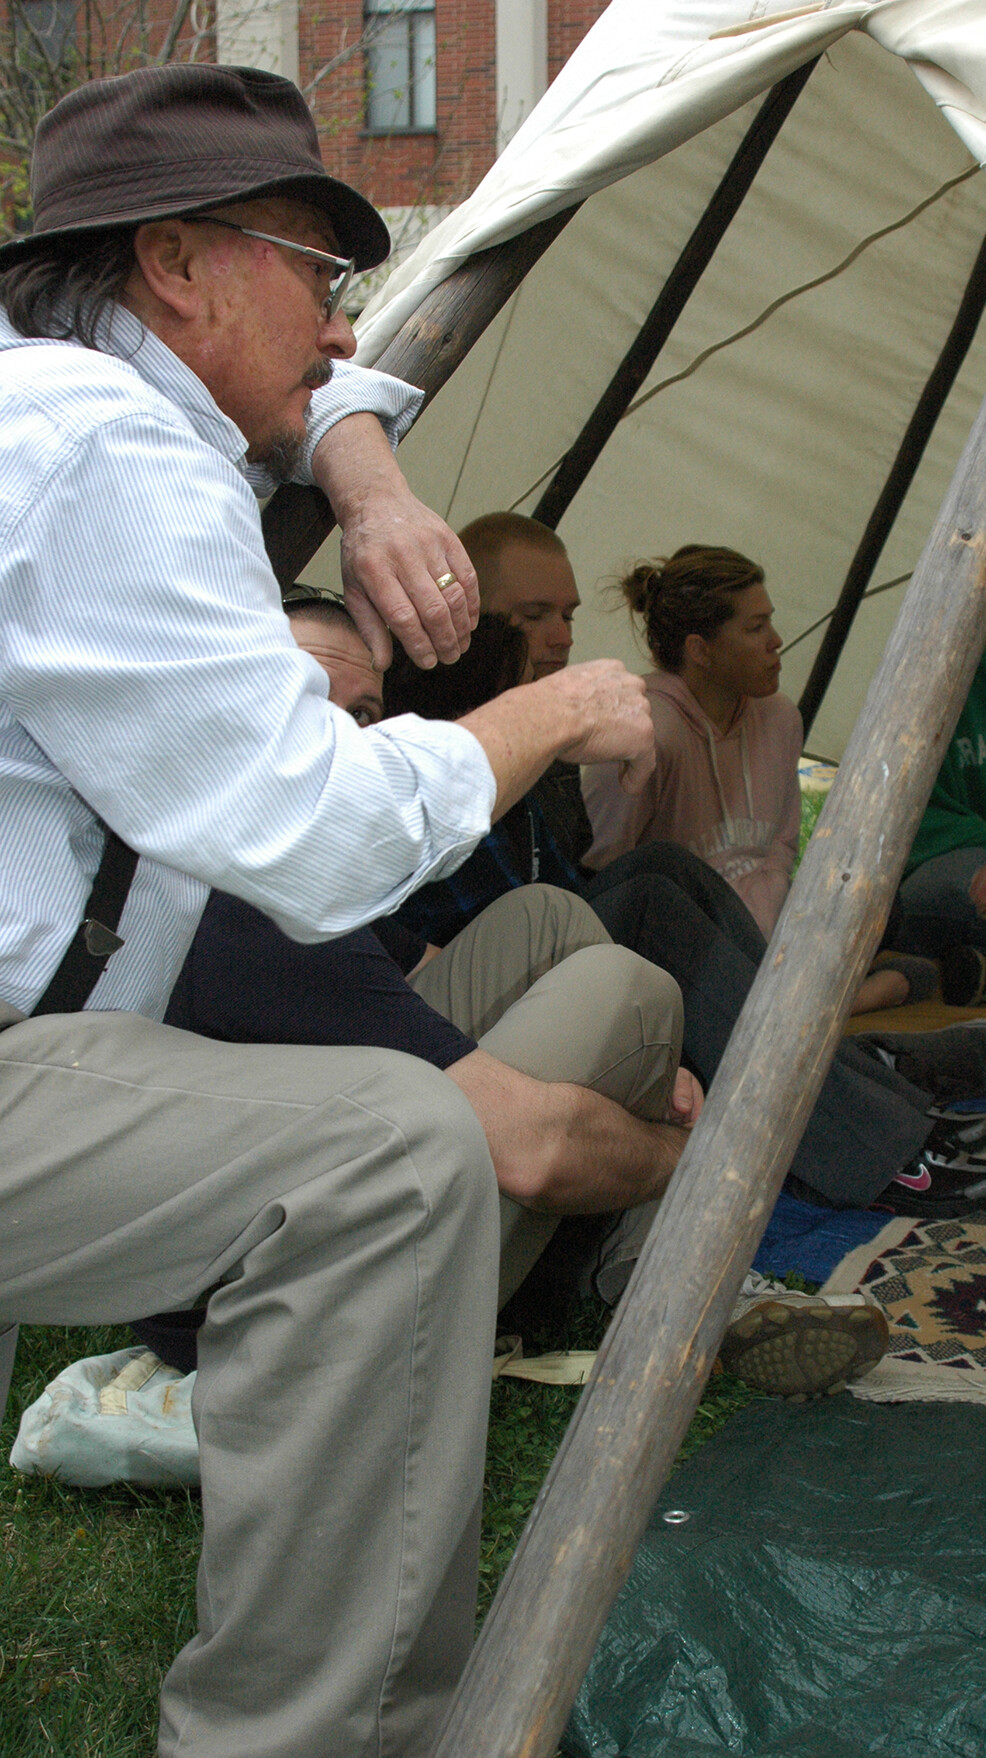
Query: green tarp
pixel 825 1598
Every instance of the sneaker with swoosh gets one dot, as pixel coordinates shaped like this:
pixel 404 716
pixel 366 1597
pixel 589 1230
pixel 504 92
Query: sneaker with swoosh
pixel 945 1181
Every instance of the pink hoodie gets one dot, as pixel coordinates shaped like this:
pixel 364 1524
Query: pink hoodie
pixel 731 798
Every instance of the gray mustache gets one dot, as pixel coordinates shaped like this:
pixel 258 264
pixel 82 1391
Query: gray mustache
pixel 318 375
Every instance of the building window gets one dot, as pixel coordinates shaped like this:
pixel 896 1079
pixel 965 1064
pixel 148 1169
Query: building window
pixel 400 65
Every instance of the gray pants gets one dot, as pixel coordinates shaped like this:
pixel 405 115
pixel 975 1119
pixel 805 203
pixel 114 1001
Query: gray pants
pixel 936 909
pixel 346 1201
pixel 538 981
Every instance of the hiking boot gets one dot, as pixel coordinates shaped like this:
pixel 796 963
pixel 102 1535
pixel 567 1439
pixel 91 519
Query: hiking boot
pixel 801 1345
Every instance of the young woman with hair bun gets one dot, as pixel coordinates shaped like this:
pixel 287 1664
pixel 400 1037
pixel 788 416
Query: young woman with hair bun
pixel 727 743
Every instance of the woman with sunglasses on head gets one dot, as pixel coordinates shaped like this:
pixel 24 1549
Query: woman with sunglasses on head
pixel 727 743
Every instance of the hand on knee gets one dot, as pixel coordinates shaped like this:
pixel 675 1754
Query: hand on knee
pixel 564 1148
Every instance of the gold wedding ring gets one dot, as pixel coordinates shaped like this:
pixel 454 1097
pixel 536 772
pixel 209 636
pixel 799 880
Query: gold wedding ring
pixel 444 581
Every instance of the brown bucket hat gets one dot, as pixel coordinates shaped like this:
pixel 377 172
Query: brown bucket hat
pixel 175 140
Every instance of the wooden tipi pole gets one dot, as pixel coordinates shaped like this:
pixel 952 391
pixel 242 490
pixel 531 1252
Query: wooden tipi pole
pixel 425 352
pixel 579 1542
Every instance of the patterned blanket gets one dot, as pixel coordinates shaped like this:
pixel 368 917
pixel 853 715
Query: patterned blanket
pixel 930 1279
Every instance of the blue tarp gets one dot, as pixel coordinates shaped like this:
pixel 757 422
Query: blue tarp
pixel 812 1240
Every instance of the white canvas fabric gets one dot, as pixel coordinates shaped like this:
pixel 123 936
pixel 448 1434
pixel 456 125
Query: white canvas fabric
pixel 774 412
pixel 648 77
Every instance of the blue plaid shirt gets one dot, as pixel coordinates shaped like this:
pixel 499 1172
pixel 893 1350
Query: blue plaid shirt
pixel 527 845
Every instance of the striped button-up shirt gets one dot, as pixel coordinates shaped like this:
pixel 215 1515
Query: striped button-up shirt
pixel 148 678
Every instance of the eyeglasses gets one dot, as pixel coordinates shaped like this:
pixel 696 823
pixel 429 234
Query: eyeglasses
pixel 340 267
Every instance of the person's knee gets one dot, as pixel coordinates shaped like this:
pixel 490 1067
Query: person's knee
pixel 572 921
pixel 642 907
pixel 939 888
pixel 557 923
pixel 635 1014
pixel 413 1136
pixel 620 986
pixel 948 900
pixel 445 1137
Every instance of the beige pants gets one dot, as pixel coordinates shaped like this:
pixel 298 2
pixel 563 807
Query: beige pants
pixel 537 980
pixel 346 1199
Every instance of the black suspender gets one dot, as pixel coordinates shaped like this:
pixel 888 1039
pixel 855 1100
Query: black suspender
pixel 96 937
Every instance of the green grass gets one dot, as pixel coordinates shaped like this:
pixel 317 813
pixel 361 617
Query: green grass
pixel 811 806
pixel 98 1590
pixel 98 1586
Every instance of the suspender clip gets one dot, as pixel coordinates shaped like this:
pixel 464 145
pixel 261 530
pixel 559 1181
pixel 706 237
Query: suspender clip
pixel 100 941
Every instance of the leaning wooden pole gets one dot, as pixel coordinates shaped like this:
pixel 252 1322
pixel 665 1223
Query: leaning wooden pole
pixel 425 352
pixel 580 1540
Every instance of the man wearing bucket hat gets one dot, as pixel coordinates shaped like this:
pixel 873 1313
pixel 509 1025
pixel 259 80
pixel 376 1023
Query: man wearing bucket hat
pixel 166 342
pixel 181 139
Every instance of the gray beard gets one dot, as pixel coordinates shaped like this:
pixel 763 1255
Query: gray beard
pixel 279 456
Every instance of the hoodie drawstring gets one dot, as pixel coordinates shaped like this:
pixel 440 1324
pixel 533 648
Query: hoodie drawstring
pixel 747 777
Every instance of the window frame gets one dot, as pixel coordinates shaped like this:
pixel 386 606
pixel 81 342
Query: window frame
pixel 406 12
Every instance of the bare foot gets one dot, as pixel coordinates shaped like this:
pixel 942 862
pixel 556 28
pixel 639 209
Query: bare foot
pixel 881 989
pixel 687 1100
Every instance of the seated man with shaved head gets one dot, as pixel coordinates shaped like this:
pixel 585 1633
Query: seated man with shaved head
pixel 525 575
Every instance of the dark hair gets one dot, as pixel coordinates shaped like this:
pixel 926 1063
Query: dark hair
pixel 64 290
pixel 493 662
pixel 321 607
pixel 689 593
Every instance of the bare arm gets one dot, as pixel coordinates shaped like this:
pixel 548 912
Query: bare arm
pixel 393 550
pixel 565 1148
pixel 586 714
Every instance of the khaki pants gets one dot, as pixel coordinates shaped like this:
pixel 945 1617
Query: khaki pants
pixel 346 1201
pixel 537 980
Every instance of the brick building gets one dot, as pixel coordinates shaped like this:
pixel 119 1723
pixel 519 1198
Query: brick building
pixel 413 98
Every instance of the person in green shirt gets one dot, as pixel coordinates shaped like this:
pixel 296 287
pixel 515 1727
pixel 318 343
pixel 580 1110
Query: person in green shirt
pixel 943 893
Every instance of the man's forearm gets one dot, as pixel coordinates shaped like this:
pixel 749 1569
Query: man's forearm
pixel 605 1158
pixel 588 714
pixel 394 550
pixel 522 734
pixel 565 1148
